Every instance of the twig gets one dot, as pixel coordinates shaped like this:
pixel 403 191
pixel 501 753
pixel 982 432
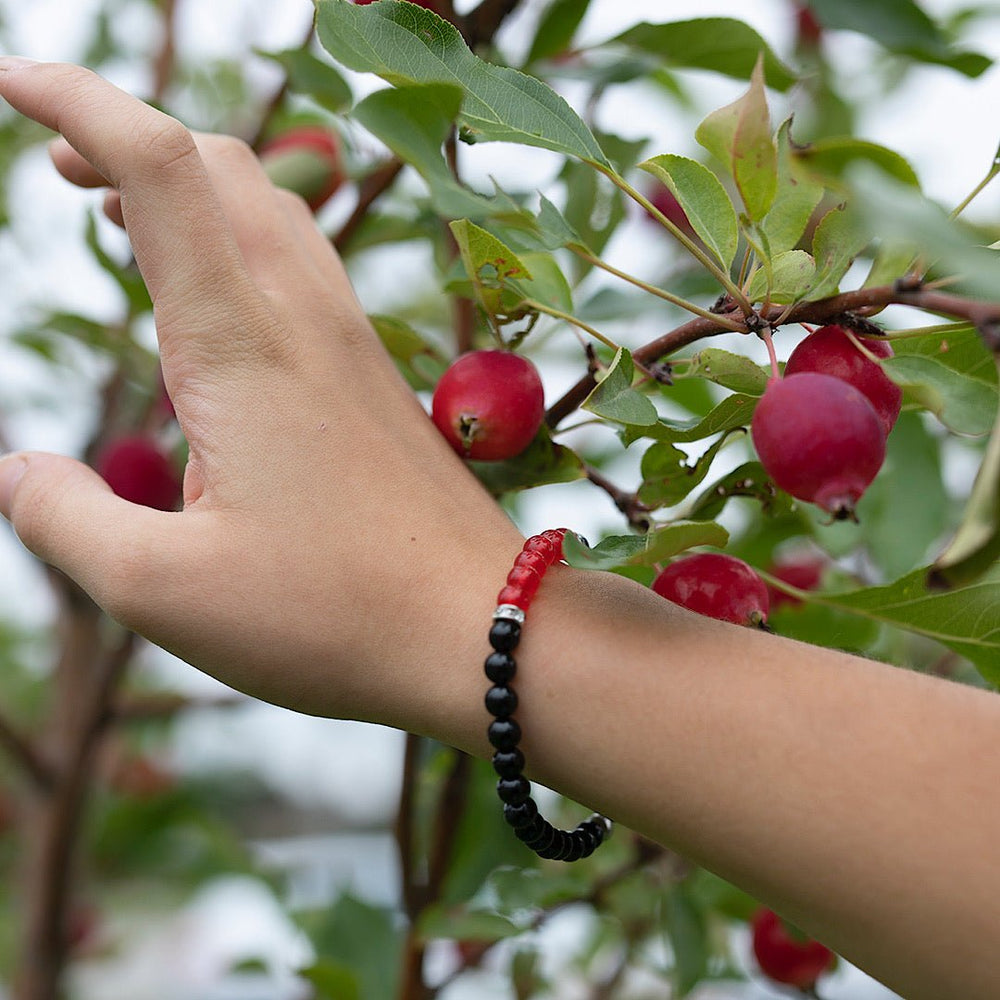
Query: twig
pixel 144 708
pixel 985 316
pixel 25 754
pixel 628 503
pixel 372 187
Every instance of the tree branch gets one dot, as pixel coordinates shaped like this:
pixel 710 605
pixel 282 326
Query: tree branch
pixel 372 187
pixel 25 754
pixel 985 316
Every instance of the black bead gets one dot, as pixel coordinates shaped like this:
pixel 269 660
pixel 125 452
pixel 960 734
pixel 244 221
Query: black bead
pixel 520 816
pixel 500 667
pixel 577 848
pixel 504 635
pixel 544 840
pixel 508 763
pixel 533 830
pixel 513 790
pixel 557 848
pixel 504 734
pixel 501 701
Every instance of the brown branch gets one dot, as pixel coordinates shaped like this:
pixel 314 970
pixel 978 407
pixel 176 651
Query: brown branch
pixel 985 316
pixel 480 25
pixel 404 830
pixel 278 98
pixel 372 187
pixel 163 63
pixel 628 503
pixel 147 707
pixel 25 754
pixel 450 807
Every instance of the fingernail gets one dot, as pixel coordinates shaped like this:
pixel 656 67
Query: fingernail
pixel 15 62
pixel 12 467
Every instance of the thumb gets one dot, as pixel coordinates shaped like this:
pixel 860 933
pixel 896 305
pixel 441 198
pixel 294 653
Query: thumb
pixel 65 513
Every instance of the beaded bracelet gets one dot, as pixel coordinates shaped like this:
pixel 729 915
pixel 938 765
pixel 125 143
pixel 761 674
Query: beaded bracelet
pixel 519 809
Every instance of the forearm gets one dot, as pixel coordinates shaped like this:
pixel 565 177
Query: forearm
pixel 857 798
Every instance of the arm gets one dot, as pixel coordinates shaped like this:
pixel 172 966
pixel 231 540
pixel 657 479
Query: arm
pixel 335 557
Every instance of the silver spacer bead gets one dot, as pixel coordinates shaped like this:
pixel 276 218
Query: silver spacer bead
pixel 510 612
pixel 604 821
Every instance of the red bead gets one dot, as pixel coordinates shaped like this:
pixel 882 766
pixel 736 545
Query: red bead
pixel 539 544
pixel 526 580
pixel 535 561
pixel 515 596
pixel 555 536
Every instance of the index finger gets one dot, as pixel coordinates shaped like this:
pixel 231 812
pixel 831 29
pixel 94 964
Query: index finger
pixel 180 236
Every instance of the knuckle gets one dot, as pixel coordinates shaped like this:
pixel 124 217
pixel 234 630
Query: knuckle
pixel 169 144
pixel 294 205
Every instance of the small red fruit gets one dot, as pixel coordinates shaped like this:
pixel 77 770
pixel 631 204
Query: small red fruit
pixel 137 470
pixel 830 351
pixel 786 957
pixel 803 572
pixel 489 405
pixel 819 439
pixel 808 30
pixel 306 160
pixel 715 585
pixel 666 203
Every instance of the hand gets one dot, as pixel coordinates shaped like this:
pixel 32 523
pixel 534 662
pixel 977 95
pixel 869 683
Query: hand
pixel 332 549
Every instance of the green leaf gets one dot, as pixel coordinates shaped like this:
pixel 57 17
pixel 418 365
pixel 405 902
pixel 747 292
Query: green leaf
pixel 740 136
pixel 126 277
pixel 795 199
pixel 976 545
pixel 961 350
pixel 359 937
pixel 490 264
pixel 405 44
pixel 543 462
pixel 964 405
pixel 838 239
pixel 420 362
pixel 966 620
pixel 643 550
pixel 893 259
pixel 900 26
pixel 460 924
pixel 721 44
pixel 734 411
pixel 557 28
pixel 547 283
pixel 703 199
pixel 414 121
pixel 831 157
pixel 614 398
pixel 898 212
pixel 734 371
pixel 332 981
pixel 684 924
pixel 667 478
pixel 594 207
pixel 747 480
pixel 313 77
pixel 898 533
pixel 791 276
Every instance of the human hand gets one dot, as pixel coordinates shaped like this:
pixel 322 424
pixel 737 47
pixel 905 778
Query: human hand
pixel 329 538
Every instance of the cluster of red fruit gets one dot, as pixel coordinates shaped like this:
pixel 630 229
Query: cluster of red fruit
pixel 820 431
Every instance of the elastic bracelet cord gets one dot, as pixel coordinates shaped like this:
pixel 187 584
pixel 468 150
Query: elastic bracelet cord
pixel 519 809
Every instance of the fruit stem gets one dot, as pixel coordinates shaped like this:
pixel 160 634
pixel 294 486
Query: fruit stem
pixel 696 251
pixel 658 292
pixel 559 314
pixel 765 334
pixel 966 201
